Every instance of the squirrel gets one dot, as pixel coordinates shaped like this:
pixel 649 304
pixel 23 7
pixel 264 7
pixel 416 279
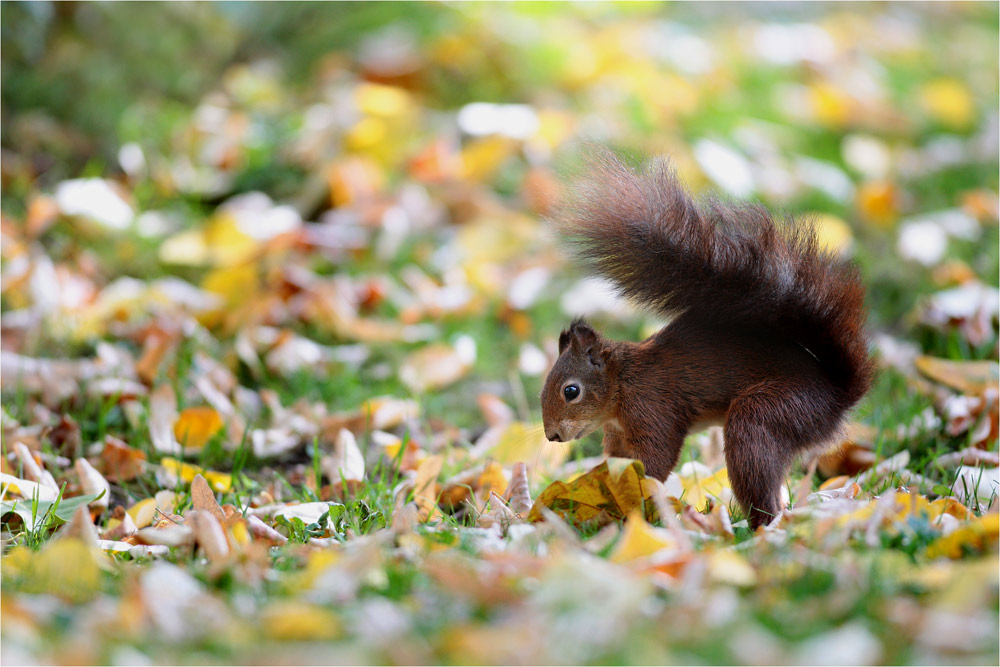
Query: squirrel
pixel 767 336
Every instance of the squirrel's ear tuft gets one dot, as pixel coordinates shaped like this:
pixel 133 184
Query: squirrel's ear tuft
pixel 580 335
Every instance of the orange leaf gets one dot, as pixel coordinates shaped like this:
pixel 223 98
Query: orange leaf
pixel 196 426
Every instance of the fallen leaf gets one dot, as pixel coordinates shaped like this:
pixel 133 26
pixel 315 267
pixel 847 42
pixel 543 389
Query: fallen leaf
pixel 186 472
pixel 32 469
pixel 162 417
pixel 640 540
pixel 67 568
pixel 969 457
pixel 948 101
pixel 209 535
pixel 298 621
pixel 978 536
pixel 728 567
pixel 521 442
pixel 346 464
pixel 480 481
pixel 518 493
pixel 203 499
pixel 307 512
pixel 144 511
pixel 93 483
pixel 433 367
pixel 971 377
pixel 597 497
pixel 120 462
pixel 194 427
pixel 699 489
pixel 80 527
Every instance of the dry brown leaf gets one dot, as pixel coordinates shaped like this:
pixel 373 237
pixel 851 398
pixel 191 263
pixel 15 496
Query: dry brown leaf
pixel 970 377
pixel 346 464
pixel 203 498
pixel 157 344
pixel 497 514
pixel 479 481
pixel 433 367
pixel 851 456
pixel 124 528
pixel 170 535
pixel 262 531
pixel 405 518
pixel 162 417
pixel 494 410
pixel 81 527
pixel 120 462
pixel 425 485
pixel 92 482
pixel 969 457
pixel 518 493
pixel 209 535
pixel 32 469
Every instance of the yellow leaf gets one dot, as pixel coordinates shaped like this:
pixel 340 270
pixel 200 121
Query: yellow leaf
pixel 878 202
pixel 187 248
pixel 196 426
pixel 977 536
pixel 948 101
pixel 144 511
pixel 317 563
pixel 299 621
pixel 833 234
pixel 906 505
pixel 240 533
pixel 730 568
pixel 597 496
pixel 481 481
pixel 221 242
pixel 830 105
pixel 228 244
pixel 367 133
pixel 640 540
pixel 521 442
pixel 381 100
pixel 698 490
pixel 219 481
pixel 482 157
pixel 554 127
pixel 237 284
pixel 67 568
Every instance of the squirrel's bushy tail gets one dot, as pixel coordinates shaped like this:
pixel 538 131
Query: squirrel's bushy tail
pixel 726 264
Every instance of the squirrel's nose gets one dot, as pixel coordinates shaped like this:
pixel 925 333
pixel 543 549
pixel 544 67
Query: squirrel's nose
pixel 554 436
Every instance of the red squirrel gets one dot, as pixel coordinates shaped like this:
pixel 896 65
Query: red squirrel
pixel 767 338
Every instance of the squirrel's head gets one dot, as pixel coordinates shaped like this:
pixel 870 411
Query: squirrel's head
pixel 576 398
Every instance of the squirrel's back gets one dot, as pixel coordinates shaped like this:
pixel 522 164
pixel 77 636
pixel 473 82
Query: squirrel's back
pixel 723 264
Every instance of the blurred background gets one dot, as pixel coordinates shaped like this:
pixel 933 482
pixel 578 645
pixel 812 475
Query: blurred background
pixel 369 179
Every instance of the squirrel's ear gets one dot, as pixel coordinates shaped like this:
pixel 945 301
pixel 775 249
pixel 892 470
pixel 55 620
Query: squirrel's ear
pixel 581 336
pixel 563 340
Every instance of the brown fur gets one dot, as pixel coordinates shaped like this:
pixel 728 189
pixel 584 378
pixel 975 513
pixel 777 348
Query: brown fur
pixel 768 336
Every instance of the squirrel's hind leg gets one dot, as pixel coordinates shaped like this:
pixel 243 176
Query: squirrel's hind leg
pixel 766 426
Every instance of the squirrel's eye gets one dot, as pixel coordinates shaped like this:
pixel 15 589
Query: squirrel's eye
pixel 571 391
